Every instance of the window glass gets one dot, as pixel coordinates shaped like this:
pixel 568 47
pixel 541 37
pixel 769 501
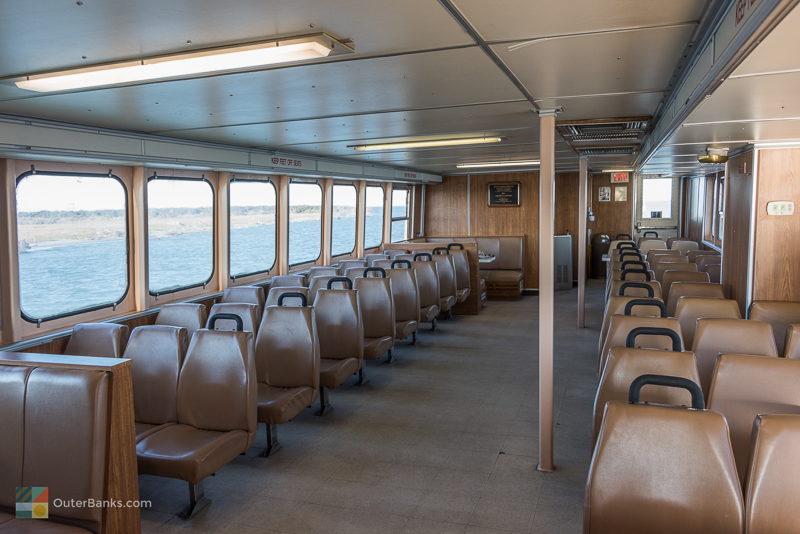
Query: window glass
pixel 252 227
pixel 180 230
pixel 399 214
pixel 305 222
pixel 72 236
pixel 343 229
pixel 657 198
pixel 373 225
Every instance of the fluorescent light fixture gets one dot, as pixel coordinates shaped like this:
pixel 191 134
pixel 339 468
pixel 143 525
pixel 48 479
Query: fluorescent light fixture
pixel 429 143
pixel 229 58
pixel 617 170
pixel 520 163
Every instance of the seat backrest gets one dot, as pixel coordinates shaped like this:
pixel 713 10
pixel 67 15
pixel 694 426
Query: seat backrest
pixel 339 324
pixel 693 254
pixel 447 275
pixel 620 306
pixel 704 261
pixel 624 365
pixel 407 257
pixel 217 387
pixel 634 288
pixel 370 258
pixel 287 347
pixel 157 354
pixel 651 244
pixel 315 284
pixel 245 294
pixel 661 252
pixel 671 276
pixel 662 268
pixel 744 386
pixel 276 292
pixel 427 282
pixel 461 266
pixel 773 479
pixel 353 272
pixel 792 345
pixel 615 243
pixel 633 275
pixel 683 288
pixel 347 264
pixel 288 280
pixel 622 325
pixel 508 252
pixel 12 420
pixel 383 264
pixel 684 245
pixel 183 314
pixel 667 258
pixel 393 253
pixel 405 294
pixel 662 469
pixel 377 306
pixel 778 314
pixel 714 272
pixel 713 337
pixel 97 339
pixel 322 271
pixel 690 309
pixel 248 313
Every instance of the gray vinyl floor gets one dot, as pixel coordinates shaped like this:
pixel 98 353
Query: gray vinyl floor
pixel 444 440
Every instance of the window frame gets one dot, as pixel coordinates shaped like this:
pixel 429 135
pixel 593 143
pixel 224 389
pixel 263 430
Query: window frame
pixel 234 277
pixel 214 241
pixel 113 305
pixel 355 232
pixel 714 209
pixel 289 220
pixel 406 218
pixel 382 187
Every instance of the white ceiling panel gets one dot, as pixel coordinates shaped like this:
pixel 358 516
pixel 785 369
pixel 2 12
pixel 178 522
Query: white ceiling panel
pixel 399 82
pixel 106 30
pixel 600 107
pixel 778 51
pixel 737 132
pixel 590 64
pixel 523 19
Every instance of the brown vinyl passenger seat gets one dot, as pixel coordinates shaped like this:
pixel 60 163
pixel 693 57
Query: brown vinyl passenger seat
pixel 394 253
pixel 224 315
pixel 405 295
pixel 341 336
pixel 246 295
pixel 377 311
pixel 216 414
pixel 661 333
pixel 624 365
pixel 744 386
pixel 276 292
pixel 461 267
pixel 690 309
pixel 316 283
pixel 773 476
pixel 105 340
pixel 684 245
pixel 684 288
pixel 347 264
pixel 428 285
pixel 157 353
pixel 792 345
pixel 448 292
pixel 713 337
pixel 322 271
pixel 638 306
pixel 660 269
pixel 640 288
pixel 778 314
pixel 662 469
pixel 287 364
pixel 671 276
pixel 651 254
pixel 186 315
pixel 370 258
pixel 288 280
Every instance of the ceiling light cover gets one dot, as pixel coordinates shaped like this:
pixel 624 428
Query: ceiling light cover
pixel 203 62
pixel 425 143
pixel 520 163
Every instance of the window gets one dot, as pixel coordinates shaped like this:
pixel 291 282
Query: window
pixel 657 198
pixel 400 197
pixel 343 227
pixel 252 227
pixel 714 219
pixel 180 231
pixel 73 243
pixel 373 224
pixel 305 222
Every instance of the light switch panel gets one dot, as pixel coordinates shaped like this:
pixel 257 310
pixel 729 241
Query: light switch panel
pixel 780 207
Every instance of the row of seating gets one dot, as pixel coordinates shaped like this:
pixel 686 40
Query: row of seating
pixel 660 467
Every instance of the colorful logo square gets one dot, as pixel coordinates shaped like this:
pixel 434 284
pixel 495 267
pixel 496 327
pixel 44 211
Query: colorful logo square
pixel 32 502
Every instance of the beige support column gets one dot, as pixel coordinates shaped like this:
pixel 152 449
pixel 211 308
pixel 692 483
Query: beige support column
pixel 361 217
pixel 327 220
pixel 387 213
pixel 583 195
pixel 139 233
pixel 9 285
pixel 282 228
pixel 547 176
pixel 223 235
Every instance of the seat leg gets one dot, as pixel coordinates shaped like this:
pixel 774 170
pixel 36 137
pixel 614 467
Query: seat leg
pixel 272 441
pixel 324 404
pixel 197 501
pixel 414 338
pixel 389 356
pixel 361 378
pixel 433 325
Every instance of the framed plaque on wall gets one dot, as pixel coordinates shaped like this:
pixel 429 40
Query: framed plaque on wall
pixel 504 194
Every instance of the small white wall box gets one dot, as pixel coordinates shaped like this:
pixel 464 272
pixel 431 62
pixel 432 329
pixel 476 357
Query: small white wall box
pixel 780 207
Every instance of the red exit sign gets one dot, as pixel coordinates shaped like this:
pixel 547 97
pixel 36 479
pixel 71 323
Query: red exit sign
pixel 619 177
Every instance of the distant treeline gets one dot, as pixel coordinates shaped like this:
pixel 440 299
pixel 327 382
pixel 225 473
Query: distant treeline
pixel 45 217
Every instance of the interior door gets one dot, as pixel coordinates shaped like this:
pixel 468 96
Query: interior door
pixel 657 206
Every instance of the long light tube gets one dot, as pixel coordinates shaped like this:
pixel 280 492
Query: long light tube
pixel 429 143
pixel 518 163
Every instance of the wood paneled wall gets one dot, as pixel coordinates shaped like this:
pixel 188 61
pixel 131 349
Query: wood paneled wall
pixel 612 217
pixel 693 206
pixel 445 207
pixel 736 237
pixel 566 217
pixel 777 257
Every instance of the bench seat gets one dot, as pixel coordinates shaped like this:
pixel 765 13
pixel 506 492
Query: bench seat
pixel 9 523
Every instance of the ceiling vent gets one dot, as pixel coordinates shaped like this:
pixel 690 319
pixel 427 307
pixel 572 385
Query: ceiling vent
pixel 606 150
pixel 604 137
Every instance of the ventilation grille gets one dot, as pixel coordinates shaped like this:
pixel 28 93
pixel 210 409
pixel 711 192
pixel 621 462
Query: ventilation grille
pixel 606 150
